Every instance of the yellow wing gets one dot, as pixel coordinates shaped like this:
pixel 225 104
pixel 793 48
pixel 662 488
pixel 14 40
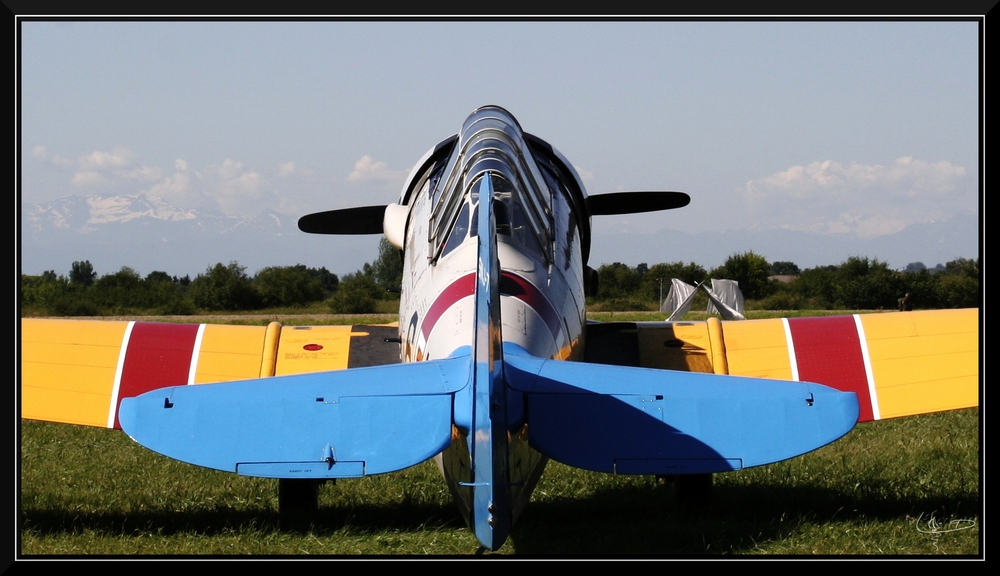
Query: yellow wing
pixel 898 363
pixel 77 371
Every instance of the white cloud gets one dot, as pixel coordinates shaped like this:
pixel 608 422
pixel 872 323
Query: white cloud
pixel 61 161
pixel 41 152
pixel 174 189
pixel 117 168
pixel 148 173
pixel 861 199
pixel 117 158
pixel 228 170
pixel 367 169
pixel 290 168
pixel 236 190
pixel 88 178
pixel 585 175
pixel 181 165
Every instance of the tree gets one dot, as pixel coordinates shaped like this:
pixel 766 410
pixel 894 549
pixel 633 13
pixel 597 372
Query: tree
pixel 327 280
pixel 126 292
pixel 750 270
pixel 224 288
pixel 42 292
pixel 816 286
pixel 357 294
pixel 868 284
pixel 159 276
pixel 963 266
pixel 287 286
pixel 959 284
pixel 387 269
pixel 82 273
pixel 649 285
pixel 120 291
pixel 784 269
pixel 617 280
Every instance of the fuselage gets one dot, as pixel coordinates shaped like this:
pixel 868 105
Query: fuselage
pixel 541 233
pixel 539 243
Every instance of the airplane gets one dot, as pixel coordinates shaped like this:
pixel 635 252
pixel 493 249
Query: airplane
pixel 493 367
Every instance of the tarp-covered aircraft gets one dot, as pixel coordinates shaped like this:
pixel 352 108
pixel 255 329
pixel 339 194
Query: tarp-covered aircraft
pixel 496 369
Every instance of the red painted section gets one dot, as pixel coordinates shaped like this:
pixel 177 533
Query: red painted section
pixel 460 288
pixel 828 351
pixel 158 355
pixel 510 285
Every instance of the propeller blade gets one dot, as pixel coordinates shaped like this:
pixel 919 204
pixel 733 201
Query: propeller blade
pixel 634 202
pixel 361 220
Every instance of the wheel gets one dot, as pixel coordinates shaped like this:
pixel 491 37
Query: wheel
pixel 694 489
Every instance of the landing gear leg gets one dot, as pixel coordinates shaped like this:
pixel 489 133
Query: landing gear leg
pixel 298 499
pixel 693 489
pixel 298 496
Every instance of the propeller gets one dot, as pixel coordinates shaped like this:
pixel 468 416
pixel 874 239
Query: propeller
pixel 634 202
pixel 361 220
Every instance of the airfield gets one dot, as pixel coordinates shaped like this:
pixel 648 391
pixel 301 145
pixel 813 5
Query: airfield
pixel 899 487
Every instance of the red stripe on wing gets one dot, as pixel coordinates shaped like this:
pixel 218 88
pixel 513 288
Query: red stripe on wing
pixel 828 351
pixel 158 355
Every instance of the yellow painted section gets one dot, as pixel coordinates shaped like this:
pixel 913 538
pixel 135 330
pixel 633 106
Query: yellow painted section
pixel 270 361
pixel 757 348
pixel 924 361
pixel 675 346
pixel 68 369
pixel 293 358
pixel 68 366
pixel 230 353
pixel 717 348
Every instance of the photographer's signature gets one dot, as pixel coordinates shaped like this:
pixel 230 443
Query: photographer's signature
pixel 935 527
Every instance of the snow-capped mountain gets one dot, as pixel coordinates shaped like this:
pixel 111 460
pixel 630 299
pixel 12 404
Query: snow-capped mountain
pixel 147 233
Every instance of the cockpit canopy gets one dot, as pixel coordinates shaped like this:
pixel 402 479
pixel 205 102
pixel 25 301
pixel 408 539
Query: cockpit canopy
pixel 491 141
pixel 527 172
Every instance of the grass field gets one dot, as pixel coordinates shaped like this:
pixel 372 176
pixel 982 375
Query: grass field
pixel 899 487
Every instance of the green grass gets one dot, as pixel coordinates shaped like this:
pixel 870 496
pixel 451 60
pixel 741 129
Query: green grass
pixel 888 487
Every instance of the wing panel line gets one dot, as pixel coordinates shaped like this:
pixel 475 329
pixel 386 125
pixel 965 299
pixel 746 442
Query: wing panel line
pixel 866 356
pixel 113 405
pixel 195 352
pixel 792 361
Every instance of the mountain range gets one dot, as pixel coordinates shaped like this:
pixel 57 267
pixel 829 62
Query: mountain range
pixel 147 233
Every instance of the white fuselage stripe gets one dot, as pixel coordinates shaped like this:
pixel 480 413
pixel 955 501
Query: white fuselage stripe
pixel 195 352
pixel 869 375
pixel 792 362
pixel 113 408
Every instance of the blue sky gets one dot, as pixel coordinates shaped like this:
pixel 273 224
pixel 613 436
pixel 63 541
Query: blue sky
pixel 848 129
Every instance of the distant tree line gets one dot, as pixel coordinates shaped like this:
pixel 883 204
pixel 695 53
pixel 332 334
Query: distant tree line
pixel 856 284
pixel 859 283
pixel 220 288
